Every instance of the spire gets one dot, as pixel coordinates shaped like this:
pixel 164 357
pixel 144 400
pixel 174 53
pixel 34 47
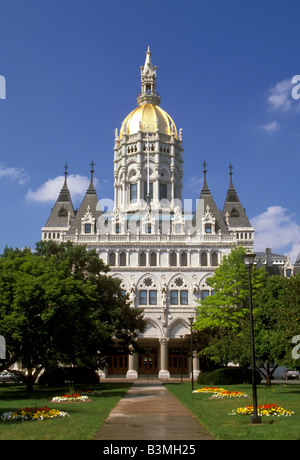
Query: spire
pixel 64 195
pixel 91 188
pixel 205 188
pixel 88 209
pixel 233 211
pixel 63 209
pixel 209 204
pixel 230 174
pixel 148 61
pixel 148 94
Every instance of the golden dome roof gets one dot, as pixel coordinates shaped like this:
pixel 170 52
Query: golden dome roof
pixel 148 117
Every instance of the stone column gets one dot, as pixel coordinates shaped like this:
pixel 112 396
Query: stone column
pixel 196 366
pixel 132 372
pixel 164 372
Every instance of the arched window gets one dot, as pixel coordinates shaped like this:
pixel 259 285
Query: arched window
pixel 112 259
pixel 173 259
pixel 203 259
pixel 153 259
pixel 143 259
pixel 214 259
pixel 183 259
pixel 123 259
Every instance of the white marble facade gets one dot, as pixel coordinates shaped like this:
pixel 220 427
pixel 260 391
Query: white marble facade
pixel 162 251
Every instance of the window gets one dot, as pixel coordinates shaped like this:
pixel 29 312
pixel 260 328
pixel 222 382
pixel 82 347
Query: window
pixel 203 259
pixel 183 259
pixel 152 297
pixel 123 259
pixel 143 297
pixel 153 259
pixel 133 193
pixel 214 259
pixel 183 297
pixel 207 228
pixel 204 294
pixel 148 228
pixel 112 259
pixel 143 259
pixel 162 191
pixel 88 228
pixel 174 297
pixel 173 259
pixel 117 228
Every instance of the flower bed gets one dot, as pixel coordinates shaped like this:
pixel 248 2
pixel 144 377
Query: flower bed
pixel 70 397
pixel 265 409
pixel 208 390
pixel 30 413
pixel 225 394
pixel 220 393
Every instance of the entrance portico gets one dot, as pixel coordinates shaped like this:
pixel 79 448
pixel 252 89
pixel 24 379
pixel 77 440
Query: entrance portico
pixel 161 358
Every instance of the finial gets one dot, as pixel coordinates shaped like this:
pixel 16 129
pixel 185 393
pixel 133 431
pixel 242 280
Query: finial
pixel 91 187
pixel 66 173
pixel 230 174
pixel 204 164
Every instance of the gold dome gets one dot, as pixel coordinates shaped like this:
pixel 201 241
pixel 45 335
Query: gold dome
pixel 148 117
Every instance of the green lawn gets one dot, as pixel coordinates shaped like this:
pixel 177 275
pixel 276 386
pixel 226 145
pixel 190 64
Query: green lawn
pixel 83 423
pixel 213 414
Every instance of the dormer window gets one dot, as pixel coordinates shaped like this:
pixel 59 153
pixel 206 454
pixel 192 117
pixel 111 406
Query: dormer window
pixel 88 228
pixel 208 228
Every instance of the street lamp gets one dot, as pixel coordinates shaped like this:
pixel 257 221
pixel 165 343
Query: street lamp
pixel 249 261
pixel 181 357
pixel 191 320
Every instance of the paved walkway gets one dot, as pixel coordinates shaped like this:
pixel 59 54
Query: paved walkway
pixel 150 412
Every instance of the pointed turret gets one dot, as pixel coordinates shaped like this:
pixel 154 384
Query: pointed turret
pixel 88 213
pixel 212 221
pixel 61 214
pixel 148 94
pixel 233 212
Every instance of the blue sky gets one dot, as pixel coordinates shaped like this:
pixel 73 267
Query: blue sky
pixel 71 69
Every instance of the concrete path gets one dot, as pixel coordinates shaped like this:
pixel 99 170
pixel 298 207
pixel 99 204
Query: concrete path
pixel 150 412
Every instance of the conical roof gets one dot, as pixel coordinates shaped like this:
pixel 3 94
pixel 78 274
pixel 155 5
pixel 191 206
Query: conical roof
pixel 210 205
pixel 88 206
pixel 233 211
pixel 63 209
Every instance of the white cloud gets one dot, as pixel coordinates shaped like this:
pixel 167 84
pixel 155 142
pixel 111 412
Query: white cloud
pixel 49 191
pixel 276 228
pixel 279 96
pixel 15 174
pixel 195 183
pixel 270 127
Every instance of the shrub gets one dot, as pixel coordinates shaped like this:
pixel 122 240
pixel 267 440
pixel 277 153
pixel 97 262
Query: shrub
pixel 63 375
pixel 227 376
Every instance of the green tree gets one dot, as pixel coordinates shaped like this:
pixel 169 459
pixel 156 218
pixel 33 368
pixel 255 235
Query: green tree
pixel 59 305
pixel 228 305
pixel 276 316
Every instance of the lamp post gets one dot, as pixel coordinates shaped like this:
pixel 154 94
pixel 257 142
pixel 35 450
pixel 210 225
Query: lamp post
pixel 191 320
pixel 181 358
pixel 249 261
